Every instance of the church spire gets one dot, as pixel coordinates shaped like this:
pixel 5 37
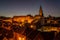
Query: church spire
pixel 41 12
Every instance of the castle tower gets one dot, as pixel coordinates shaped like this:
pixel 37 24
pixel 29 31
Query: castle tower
pixel 41 12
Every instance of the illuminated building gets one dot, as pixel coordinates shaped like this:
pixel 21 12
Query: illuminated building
pixel 46 24
pixel 28 17
pixel 21 20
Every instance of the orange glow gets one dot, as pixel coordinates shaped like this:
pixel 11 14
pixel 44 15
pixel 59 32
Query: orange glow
pixel 21 38
pixel 55 22
pixel 22 19
pixel 31 26
pixel 8 20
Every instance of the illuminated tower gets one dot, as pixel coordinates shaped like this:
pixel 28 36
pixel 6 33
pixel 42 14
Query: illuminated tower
pixel 41 12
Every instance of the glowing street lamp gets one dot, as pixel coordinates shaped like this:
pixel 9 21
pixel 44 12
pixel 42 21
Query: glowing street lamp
pixel 22 38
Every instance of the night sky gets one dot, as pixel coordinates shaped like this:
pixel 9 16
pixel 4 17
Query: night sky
pixel 11 8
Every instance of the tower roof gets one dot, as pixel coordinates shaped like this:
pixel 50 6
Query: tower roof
pixel 40 11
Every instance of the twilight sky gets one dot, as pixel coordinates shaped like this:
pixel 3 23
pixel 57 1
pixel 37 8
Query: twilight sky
pixel 11 8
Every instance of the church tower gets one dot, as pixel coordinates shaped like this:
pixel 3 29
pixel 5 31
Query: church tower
pixel 41 12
